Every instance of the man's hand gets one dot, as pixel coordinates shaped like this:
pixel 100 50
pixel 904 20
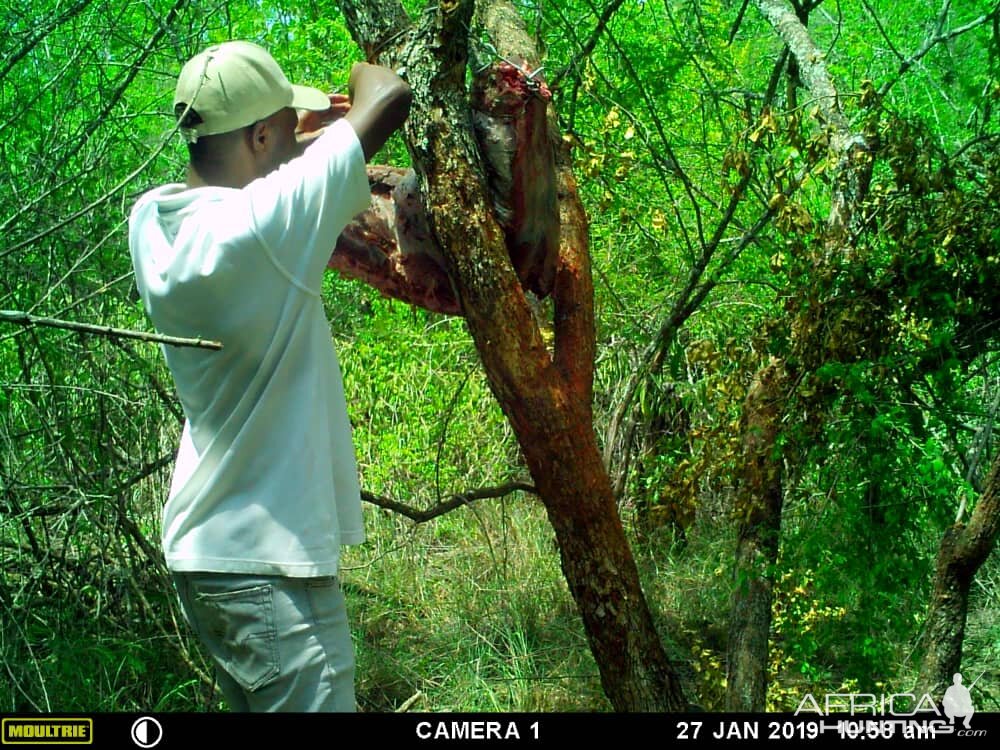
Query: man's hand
pixel 311 124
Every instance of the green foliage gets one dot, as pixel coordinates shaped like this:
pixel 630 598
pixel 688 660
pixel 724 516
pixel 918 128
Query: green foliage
pixel 416 394
pixel 892 347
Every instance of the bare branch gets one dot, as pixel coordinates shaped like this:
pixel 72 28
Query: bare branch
pixel 937 36
pixel 686 303
pixel 22 318
pixel 669 161
pixel 590 44
pixel 73 63
pixel 408 703
pixel 146 471
pixel 93 204
pixel 134 69
pixel 885 34
pixel 446 506
pixel 27 208
pixel 739 21
pixel 42 30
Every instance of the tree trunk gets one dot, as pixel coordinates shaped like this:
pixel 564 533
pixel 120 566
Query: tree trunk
pixel 758 504
pixel 759 496
pixel 546 396
pixel 564 459
pixel 963 550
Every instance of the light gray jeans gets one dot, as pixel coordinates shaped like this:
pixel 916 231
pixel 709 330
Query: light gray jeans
pixel 278 644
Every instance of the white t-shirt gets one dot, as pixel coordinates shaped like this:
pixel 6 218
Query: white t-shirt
pixel 266 479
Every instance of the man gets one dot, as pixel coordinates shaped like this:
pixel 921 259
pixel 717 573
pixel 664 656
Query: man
pixel 265 487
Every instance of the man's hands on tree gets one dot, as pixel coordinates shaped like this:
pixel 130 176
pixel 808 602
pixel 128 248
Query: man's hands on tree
pixel 377 104
pixel 311 124
pixel 391 245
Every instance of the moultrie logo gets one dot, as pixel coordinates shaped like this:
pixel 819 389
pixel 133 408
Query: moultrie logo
pixel 47 730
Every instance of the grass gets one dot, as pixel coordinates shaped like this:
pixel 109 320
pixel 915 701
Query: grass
pixel 468 613
pixel 981 649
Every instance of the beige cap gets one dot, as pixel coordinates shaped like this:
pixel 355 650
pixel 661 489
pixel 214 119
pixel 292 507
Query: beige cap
pixel 235 84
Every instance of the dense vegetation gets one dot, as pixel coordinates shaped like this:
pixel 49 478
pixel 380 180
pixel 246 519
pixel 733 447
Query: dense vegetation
pixel 708 168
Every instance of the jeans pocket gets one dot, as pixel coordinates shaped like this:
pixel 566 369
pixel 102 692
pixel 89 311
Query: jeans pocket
pixel 238 627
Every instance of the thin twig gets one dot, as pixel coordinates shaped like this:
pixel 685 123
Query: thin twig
pixel 449 413
pixel 35 663
pixel 445 506
pixel 408 703
pixel 885 35
pixel 937 36
pixel 134 69
pixel 79 262
pixel 104 198
pixel 42 30
pixel 22 318
pixel 686 303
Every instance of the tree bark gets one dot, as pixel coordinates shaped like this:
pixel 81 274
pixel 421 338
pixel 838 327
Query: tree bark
pixel 964 547
pixel 963 550
pixel 758 505
pixel 545 395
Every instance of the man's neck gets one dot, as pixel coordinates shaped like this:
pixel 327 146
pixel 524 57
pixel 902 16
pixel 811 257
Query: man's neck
pixel 217 178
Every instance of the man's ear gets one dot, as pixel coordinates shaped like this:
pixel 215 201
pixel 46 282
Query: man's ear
pixel 259 136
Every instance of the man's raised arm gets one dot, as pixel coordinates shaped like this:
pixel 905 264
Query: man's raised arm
pixel 380 102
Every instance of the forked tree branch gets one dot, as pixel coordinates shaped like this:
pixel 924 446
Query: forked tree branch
pixel 849 149
pixel 811 60
pixel 446 506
